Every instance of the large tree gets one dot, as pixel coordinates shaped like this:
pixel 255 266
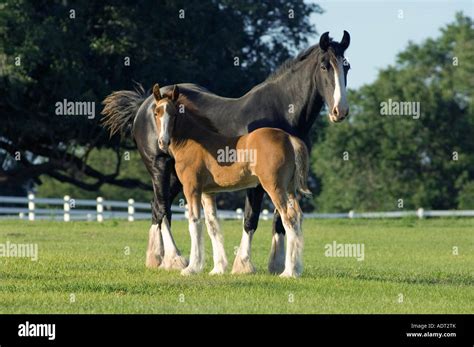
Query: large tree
pixel 383 162
pixel 82 50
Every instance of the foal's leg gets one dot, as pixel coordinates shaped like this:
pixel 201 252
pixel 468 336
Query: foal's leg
pixel 292 221
pixel 217 240
pixel 291 215
pixel 253 204
pixel 196 258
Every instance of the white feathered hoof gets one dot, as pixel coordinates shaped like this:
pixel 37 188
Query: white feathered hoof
pixel 289 274
pixel 189 271
pixel 178 262
pixel 153 261
pixel 242 266
pixel 217 270
pixel 276 263
pixel 276 267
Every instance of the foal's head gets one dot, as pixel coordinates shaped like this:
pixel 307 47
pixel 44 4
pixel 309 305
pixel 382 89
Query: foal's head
pixel 332 75
pixel 165 113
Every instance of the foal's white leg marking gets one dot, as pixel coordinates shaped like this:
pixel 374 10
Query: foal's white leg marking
pixel 196 258
pixel 340 98
pixel 217 240
pixel 276 264
pixel 172 258
pixel 242 263
pixel 294 249
pixel 155 251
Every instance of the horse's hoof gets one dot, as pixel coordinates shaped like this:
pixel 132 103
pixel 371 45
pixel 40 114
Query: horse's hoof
pixel 276 268
pixel 242 266
pixel 288 274
pixel 217 271
pixel 152 261
pixel 178 262
pixel 188 271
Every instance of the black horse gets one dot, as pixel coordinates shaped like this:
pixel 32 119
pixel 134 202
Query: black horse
pixel 289 99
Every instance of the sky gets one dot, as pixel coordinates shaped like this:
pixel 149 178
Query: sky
pixel 377 32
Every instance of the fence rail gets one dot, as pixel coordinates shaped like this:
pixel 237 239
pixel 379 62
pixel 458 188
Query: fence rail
pixel 67 209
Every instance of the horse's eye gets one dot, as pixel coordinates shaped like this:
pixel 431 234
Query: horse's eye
pixel 323 67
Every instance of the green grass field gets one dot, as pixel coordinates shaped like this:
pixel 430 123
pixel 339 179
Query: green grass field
pixel 87 261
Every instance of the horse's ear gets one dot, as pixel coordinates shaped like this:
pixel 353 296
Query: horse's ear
pixel 156 92
pixel 324 41
pixel 346 40
pixel 175 94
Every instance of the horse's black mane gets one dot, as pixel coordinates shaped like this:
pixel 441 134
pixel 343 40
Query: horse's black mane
pixel 303 55
pixel 292 62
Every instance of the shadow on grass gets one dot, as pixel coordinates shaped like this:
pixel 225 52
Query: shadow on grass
pixel 432 279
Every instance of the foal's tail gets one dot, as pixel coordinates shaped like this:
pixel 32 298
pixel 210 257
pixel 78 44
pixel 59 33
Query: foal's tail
pixel 120 109
pixel 302 165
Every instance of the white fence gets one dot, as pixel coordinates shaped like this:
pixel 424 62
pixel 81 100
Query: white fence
pixel 67 209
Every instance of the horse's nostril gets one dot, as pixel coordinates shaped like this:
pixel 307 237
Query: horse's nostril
pixel 334 111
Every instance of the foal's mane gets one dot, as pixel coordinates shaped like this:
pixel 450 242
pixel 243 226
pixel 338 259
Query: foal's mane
pixel 190 124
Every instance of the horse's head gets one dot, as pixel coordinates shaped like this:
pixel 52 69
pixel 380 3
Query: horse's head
pixel 165 113
pixel 331 75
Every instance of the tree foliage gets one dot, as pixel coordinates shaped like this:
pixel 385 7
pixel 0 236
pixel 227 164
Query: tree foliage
pixel 83 50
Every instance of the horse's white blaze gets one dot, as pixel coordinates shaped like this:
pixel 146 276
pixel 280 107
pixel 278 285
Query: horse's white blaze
pixel 165 121
pixel 340 99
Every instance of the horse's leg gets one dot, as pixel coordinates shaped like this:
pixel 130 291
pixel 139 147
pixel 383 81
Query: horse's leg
pixel 175 188
pixel 292 221
pixel 295 222
pixel 276 263
pixel 155 250
pixel 161 172
pixel 160 180
pixel 291 216
pixel 217 240
pixel 196 257
pixel 253 204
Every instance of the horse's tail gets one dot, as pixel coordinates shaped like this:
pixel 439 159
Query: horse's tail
pixel 301 165
pixel 121 108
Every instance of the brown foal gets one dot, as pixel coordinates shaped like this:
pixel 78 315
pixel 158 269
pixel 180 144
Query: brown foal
pixel 207 163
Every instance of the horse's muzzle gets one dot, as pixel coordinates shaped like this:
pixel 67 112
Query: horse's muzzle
pixel 163 145
pixel 337 118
